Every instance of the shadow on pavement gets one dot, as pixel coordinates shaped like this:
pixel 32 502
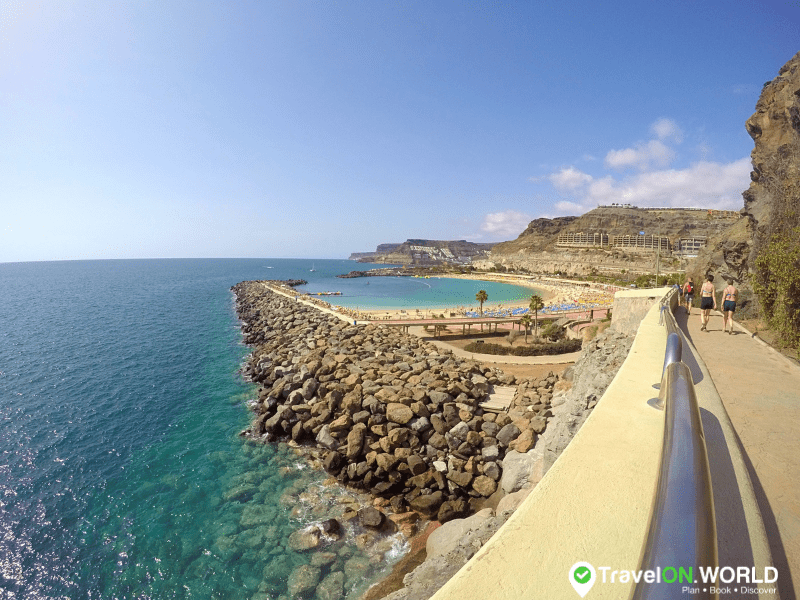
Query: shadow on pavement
pixel 785 584
pixel 687 356
pixel 733 539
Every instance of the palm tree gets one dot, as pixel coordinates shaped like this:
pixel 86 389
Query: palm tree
pixel 481 297
pixel 525 321
pixel 536 305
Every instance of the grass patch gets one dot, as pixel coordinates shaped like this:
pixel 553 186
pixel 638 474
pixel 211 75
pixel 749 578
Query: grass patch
pixel 560 347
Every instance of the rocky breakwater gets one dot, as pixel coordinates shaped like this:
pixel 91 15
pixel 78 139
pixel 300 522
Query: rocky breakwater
pixel 573 399
pixel 386 412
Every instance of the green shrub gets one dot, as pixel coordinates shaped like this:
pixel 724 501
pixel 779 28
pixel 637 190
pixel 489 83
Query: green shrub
pixel 560 347
pixel 777 284
pixel 553 332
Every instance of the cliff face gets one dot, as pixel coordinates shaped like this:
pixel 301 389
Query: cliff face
pixel 772 203
pixel 725 257
pixel 423 252
pixel 535 249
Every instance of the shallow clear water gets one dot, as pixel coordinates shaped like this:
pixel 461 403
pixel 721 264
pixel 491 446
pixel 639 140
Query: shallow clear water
pixel 122 474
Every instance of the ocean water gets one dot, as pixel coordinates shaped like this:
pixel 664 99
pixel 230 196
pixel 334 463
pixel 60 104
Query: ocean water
pixel 398 292
pixel 122 474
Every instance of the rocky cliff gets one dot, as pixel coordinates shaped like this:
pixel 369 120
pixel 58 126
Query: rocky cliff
pixel 536 248
pixel 540 234
pixel 424 252
pixel 772 202
pixel 675 223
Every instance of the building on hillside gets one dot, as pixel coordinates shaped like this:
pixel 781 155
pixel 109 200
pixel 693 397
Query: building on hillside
pixel 649 243
pixel 583 240
pixel 691 246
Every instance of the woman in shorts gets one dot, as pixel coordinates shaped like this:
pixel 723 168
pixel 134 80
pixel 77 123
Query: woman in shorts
pixel 708 301
pixel 728 306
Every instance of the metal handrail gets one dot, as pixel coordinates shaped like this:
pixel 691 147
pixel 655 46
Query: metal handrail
pixel 682 531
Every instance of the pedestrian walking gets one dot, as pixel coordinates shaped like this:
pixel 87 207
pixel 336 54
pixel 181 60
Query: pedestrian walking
pixel 728 305
pixel 688 294
pixel 708 300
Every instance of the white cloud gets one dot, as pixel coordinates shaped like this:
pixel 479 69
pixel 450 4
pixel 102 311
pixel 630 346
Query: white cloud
pixel 701 185
pixel 569 208
pixel 667 129
pixel 569 179
pixel 652 154
pixel 506 225
pixel 646 155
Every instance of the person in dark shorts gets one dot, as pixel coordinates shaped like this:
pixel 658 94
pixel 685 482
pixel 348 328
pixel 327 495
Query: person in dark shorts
pixel 688 294
pixel 728 306
pixel 708 300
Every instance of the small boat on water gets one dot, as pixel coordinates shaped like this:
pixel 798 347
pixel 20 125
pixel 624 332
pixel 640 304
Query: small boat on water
pixel 328 293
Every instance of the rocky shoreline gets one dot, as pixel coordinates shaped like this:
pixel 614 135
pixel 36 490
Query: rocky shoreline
pixel 392 415
pixel 389 412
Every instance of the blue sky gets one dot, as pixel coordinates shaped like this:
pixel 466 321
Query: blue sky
pixel 315 129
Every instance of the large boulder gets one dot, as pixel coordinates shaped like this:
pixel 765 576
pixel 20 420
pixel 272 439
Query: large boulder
pixel 485 486
pixel 507 434
pixel 428 504
pixel 305 539
pixel 355 440
pixel 519 470
pixel 399 413
pixel 512 501
pixel 332 587
pixel 325 439
pixel 303 580
pixel 370 517
pixel 447 537
pixel 452 509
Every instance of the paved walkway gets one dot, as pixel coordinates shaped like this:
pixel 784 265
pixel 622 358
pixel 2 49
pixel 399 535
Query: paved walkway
pixel 761 392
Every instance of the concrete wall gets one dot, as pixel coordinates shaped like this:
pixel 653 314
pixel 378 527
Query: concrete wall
pixel 631 306
pixel 594 503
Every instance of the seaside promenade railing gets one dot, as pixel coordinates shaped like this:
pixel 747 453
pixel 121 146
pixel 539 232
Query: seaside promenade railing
pixel 682 532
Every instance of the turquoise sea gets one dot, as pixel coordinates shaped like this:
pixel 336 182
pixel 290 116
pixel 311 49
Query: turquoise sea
pixel 122 474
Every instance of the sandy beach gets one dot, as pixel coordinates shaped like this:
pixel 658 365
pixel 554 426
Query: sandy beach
pixel 555 293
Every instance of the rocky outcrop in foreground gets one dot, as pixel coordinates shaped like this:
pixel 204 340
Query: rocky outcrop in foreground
pixel 389 413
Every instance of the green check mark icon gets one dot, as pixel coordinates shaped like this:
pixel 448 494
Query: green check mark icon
pixel 582 575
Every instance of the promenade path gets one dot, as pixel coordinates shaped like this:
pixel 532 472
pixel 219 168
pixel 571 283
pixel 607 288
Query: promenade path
pixel 761 392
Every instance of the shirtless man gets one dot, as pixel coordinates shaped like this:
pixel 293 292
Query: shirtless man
pixel 708 300
pixel 688 294
pixel 728 306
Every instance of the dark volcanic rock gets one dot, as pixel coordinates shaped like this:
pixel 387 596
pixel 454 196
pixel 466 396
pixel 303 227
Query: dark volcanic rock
pixel 371 517
pixel 428 505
